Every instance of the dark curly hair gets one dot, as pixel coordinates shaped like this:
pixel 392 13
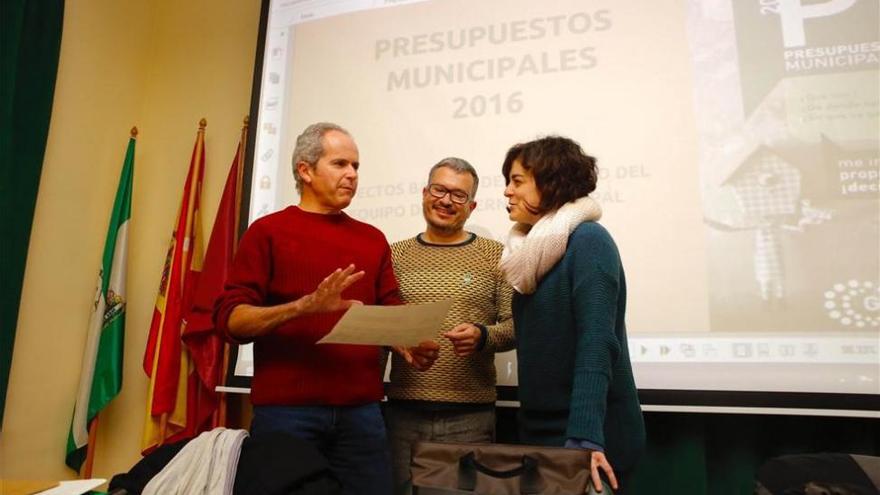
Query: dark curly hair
pixel 562 171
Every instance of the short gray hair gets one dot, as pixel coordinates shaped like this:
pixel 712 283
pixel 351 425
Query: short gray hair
pixel 459 165
pixel 309 147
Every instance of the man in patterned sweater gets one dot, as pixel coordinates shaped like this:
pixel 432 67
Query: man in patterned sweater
pixel 455 399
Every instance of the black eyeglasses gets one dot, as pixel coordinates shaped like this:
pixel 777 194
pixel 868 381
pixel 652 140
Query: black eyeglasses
pixel 458 197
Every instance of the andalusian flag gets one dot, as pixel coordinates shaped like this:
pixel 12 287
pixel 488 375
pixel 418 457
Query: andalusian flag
pixel 101 376
pixel 174 394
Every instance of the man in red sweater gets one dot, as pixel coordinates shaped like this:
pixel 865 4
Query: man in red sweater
pixel 295 273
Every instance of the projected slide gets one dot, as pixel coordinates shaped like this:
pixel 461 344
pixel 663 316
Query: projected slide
pixel 737 143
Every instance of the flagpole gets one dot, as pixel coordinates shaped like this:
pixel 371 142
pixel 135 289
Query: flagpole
pixel 221 409
pixel 243 145
pixel 163 426
pixel 90 449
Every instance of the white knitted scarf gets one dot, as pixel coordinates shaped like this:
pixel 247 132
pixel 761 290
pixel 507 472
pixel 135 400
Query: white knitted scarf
pixel 531 251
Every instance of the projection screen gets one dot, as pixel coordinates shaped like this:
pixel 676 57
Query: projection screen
pixel 738 151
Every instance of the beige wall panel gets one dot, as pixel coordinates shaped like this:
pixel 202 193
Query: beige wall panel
pixel 161 66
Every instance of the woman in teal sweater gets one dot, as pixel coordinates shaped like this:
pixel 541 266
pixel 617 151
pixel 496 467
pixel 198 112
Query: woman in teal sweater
pixel 576 386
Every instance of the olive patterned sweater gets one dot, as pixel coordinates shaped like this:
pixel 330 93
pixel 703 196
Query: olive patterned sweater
pixel 467 273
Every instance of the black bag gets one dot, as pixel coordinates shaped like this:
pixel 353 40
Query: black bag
pixel 824 473
pixel 501 469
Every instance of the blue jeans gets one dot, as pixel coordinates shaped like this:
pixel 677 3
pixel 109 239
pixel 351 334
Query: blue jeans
pixel 352 438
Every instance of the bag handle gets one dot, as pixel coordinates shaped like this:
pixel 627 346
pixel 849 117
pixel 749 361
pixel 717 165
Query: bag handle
pixel 527 471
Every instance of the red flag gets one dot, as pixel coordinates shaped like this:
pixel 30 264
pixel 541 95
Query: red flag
pixel 174 394
pixel 204 345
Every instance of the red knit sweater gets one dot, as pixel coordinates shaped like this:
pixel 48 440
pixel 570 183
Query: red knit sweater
pixel 284 256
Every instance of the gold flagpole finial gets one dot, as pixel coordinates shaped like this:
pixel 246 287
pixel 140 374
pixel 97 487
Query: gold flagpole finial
pixel 202 124
pixel 247 120
pixel 134 132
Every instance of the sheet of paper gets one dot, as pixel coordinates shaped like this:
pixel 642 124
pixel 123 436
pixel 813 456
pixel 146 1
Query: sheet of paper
pixel 74 487
pixel 405 325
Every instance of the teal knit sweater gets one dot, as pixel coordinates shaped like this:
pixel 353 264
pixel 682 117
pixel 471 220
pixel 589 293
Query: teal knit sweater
pixel 575 376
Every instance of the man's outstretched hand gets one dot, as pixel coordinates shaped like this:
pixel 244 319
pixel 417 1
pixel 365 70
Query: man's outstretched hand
pixel 247 321
pixel 328 296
